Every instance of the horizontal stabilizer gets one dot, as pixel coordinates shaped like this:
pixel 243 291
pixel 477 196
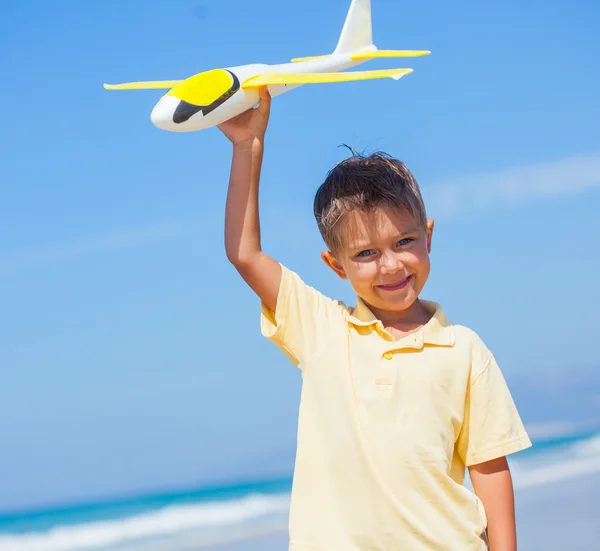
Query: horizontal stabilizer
pixel 152 84
pixel 321 78
pixel 389 53
pixel 370 55
pixel 309 58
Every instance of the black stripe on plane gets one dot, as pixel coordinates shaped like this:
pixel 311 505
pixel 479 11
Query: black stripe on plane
pixel 184 110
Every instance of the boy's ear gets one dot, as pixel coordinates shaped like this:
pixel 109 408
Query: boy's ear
pixel 430 225
pixel 333 263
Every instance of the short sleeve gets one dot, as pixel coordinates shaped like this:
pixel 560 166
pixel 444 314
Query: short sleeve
pixel 303 320
pixel 492 427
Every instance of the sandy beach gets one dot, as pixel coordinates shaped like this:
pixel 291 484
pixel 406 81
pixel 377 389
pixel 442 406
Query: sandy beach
pixel 555 517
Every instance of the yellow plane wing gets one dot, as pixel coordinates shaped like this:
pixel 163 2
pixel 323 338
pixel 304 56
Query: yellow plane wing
pixel 320 78
pixel 389 53
pixel 309 58
pixel 152 84
pixel 370 55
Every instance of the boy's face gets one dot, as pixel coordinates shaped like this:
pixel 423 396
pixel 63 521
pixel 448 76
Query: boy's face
pixel 385 257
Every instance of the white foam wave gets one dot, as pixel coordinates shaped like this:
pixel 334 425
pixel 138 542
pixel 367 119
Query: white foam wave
pixel 196 526
pixel 162 523
pixel 574 461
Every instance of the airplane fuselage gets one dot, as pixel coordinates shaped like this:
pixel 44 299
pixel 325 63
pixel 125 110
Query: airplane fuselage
pixel 213 97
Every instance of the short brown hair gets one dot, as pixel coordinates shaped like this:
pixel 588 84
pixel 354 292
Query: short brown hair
pixel 365 184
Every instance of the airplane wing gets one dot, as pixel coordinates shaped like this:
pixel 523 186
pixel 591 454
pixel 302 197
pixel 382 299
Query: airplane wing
pixel 309 58
pixel 320 78
pixel 152 84
pixel 389 53
pixel 370 55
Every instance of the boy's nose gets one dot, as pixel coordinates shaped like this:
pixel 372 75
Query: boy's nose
pixel 390 263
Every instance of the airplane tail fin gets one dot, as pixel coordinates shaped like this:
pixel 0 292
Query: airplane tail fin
pixel 357 33
pixel 356 39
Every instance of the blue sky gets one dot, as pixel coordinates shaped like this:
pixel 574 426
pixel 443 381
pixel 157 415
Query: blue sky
pixel 131 355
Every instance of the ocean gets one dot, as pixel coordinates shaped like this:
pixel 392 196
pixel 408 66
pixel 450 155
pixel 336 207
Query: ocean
pixel 202 518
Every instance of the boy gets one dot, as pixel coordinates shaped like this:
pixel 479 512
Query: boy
pixel 396 401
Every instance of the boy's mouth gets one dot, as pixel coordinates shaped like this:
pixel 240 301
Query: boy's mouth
pixel 397 285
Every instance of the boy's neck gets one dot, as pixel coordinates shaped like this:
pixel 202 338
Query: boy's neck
pixel 411 318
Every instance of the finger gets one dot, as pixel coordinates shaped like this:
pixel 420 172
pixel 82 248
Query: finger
pixel 265 95
pixel 264 107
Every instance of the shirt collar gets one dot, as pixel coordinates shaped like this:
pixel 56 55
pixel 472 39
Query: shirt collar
pixel 437 331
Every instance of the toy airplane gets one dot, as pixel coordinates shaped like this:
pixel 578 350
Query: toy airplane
pixel 213 97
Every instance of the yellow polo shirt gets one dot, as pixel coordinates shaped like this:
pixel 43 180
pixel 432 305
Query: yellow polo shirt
pixel 387 427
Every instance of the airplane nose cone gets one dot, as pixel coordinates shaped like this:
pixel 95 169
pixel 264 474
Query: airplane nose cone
pixel 162 114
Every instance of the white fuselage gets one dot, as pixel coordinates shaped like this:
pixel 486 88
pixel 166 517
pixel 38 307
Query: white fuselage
pixel 163 113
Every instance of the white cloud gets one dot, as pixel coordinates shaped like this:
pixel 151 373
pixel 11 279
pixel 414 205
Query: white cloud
pixel 550 179
pixel 51 253
pixel 565 176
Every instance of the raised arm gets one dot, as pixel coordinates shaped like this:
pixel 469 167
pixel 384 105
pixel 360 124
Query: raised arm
pixel 242 226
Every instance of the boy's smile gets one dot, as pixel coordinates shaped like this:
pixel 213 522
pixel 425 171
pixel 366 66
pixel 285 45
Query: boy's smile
pixel 385 257
pixel 396 286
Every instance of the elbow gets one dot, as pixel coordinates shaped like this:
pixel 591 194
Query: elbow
pixel 241 261
pixel 233 257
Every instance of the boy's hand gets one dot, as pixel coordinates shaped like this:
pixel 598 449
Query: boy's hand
pixel 250 125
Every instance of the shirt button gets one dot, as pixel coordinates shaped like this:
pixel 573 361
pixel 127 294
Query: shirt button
pixel 388 355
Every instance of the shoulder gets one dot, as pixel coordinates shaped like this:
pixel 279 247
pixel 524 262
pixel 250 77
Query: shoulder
pixel 469 338
pixel 464 341
pixel 294 284
pixel 470 343
pixel 468 348
pixel 305 319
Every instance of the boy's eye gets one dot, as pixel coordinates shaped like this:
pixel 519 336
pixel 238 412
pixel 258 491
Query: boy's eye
pixel 405 241
pixel 364 254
